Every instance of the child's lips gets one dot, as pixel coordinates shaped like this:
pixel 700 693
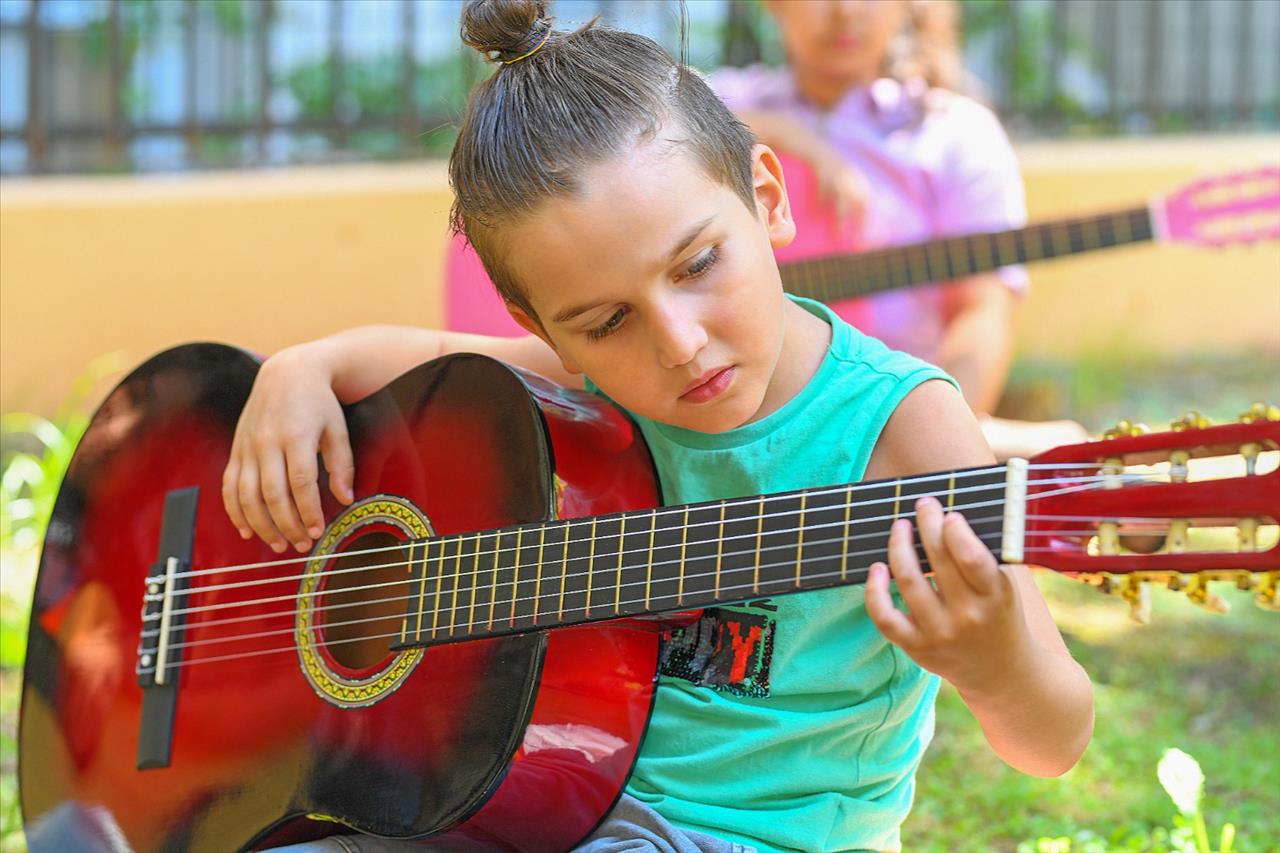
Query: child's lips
pixel 709 385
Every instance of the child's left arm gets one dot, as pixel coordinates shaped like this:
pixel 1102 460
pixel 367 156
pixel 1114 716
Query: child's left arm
pixel 981 625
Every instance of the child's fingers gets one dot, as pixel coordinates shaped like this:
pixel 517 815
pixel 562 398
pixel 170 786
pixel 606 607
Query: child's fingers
pixel 303 474
pixel 231 498
pixel 335 447
pixel 952 582
pixel 278 497
pixel 972 559
pixel 920 597
pixel 892 622
pixel 255 511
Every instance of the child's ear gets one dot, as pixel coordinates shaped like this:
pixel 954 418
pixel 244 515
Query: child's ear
pixel 533 327
pixel 771 196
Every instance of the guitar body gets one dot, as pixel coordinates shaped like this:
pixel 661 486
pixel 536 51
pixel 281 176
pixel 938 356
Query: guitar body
pixel 287 725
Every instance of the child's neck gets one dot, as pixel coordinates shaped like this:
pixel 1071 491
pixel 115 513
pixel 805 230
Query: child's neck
pixel 805 340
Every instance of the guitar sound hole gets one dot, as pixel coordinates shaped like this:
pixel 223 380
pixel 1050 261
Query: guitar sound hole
pixel 364 609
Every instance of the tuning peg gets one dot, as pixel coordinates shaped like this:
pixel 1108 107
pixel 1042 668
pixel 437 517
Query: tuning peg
pixel 1197 590
pixel 1133 590
pixel 1266 595
pixel 1191 420
pixel 1260 412
pixel 1124 429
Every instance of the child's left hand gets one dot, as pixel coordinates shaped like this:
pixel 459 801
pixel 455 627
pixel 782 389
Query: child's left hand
pixel 970 629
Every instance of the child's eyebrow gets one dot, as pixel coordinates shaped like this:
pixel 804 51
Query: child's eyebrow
pixel 683 243
pixel 689 237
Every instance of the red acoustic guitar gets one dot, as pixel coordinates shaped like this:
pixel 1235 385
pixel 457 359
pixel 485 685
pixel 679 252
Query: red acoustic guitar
pixel 469 652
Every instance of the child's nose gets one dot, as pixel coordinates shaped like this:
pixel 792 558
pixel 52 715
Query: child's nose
pixel 678 338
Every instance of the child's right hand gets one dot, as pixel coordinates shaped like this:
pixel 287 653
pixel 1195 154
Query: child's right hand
pixel 269 486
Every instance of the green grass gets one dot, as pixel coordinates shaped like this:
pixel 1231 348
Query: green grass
pixel 1202 682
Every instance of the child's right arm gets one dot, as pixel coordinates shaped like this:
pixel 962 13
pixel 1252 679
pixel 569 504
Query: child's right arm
pixel 294 411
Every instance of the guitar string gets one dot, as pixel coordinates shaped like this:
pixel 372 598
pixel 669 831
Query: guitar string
pixel 639 514
pixel 280 614
pixel 819 491
pixel 859 576
pixel 258 617
pixel 461 538
pixel 457 578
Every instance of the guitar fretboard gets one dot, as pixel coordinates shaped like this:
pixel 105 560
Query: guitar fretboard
pixel 846 276
pixel 673 558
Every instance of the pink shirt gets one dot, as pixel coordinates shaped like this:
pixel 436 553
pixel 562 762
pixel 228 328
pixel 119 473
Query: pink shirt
pixel 951 171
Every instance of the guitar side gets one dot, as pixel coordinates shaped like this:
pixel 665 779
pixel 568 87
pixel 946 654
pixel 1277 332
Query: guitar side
pixel 477 740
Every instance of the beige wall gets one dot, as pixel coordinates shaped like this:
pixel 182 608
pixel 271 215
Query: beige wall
pixel 263 259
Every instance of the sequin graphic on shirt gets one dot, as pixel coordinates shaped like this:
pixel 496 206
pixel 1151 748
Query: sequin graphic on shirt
pixel 727 649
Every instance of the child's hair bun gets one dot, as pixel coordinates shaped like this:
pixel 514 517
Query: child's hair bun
pixel 505 30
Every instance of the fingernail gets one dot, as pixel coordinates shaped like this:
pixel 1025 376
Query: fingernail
pixel 278 547
pixel 301 547
pixel 245 534
pixel 315 532
pixel 926 501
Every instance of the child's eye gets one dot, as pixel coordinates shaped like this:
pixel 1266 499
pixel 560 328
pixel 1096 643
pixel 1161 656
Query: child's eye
pixel 702 263
pixel 615 319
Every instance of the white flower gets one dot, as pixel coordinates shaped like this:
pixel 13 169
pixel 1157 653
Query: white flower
pixel 1182 778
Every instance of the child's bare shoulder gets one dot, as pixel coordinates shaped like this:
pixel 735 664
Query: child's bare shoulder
pixel 932 429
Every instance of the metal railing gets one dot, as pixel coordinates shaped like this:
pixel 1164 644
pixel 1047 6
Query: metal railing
pixel 121 85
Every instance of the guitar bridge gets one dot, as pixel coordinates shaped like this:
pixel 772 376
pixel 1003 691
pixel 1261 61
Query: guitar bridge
pixel 162 622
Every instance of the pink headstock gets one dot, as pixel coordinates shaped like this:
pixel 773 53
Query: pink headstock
pixel 1242 207
pixel 1183 507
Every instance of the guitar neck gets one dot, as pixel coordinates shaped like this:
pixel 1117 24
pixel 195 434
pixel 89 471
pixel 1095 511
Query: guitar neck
pixel 674 558
pixel 846 276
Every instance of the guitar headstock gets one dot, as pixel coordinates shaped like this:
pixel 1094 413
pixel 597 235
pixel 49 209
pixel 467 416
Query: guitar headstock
pixel 1242 207
pixel 1194 504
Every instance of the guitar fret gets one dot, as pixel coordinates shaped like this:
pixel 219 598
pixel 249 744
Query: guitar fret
pixel 648 576
pixel 493 596
pixel 800 538
pixel 564 569
pixel 700 555
pixel 537 584
pixel 1075 237
pixel 479 591
pixel 622 550
pixel 515 578
pixel 913 256
pixel 421 583
pixel 1010 248
pixel 457 575
pixel 684 538
pixel 435 610
pixel 1125 232
pixel 719 550
pixel 844 549
pixel 591 563
pixel 964 267
pixel 755 583
pixel 938 270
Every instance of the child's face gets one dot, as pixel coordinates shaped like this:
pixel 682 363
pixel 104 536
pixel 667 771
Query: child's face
pixel 842 40
pixel 660 284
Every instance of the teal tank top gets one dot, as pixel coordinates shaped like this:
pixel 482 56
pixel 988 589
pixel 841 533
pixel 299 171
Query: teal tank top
pixel 789 723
